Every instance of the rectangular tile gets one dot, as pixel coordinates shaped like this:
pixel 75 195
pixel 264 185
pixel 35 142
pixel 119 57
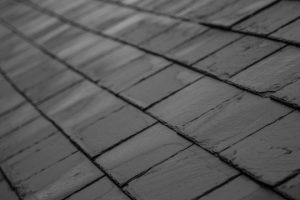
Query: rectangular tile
pixel 133 72
pixel 271 19
pixel 237 56
pixel 290 32
pixel 185 176
pixel 201 46
pixel 193 101
pixel 112 129
pixel 103 189
pixel 289 94
pixel 291 187
pixel 141 152
pixel 241 188
pixel 276 152
pixel 160 85
pixel 233 120
pixel 272 73
pixel 37 158
pixel 60 180
pixel 25 137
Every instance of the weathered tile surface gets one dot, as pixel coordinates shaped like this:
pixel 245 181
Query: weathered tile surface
pixel 290 32
pixel 133 72
pixel 6 192
pixel 193 101
pixel 103 189
pixel 237 56
pixel 233 120
pixel 271 154
pixel 289 94
pixel 271 18
pixel 185 176
pixel 112 129
pixel 272 73
pixel 160 85
pixel 291 187
pixel 201 46
pixel 141 152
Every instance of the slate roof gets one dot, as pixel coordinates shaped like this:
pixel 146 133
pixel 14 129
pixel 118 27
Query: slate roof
pixel 150 100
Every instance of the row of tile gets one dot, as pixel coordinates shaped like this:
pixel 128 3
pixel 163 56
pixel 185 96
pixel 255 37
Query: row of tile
pixel 209 84
pixel 257 64
pixel 279 19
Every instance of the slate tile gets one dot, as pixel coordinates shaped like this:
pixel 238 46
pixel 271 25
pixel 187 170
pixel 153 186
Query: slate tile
pixel 37 73
pixel 193 101
pixel 184 176
pixel 111 62
pixel 141 152
pixel 172 7
pixel 241 188
pixel 16 118
pixel 133 72
pixel 103 189
pixel 160 85
pixel 290 32
pixel 112 129
pixel 60 180
pixel 92 53
pixel 272 73
pixel 52 86
pixel 202 45
pixel 6 193
pixel 9 96
pixel 276 152
pixel 291 187
pixel 289 94
pixel 80 105
pixel 237 11
pixel 147 28
pixel 50 31
pixel 37 27
pixel 199 10
pixel 25 137
pixel 81 10
pixel 237 56
pixel 150 4
pixel 271 18
pixel 173 37
pixel 233 120
pixel 37 158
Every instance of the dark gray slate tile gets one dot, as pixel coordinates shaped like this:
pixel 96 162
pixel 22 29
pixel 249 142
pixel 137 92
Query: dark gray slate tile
pixel 271 18
pixel 53 85
pixel 290 32
pixel 111 62
pixel 141 152
pixel 241 188
pixel 6 193
pixel 103 189
pixel 272 73
pixel 237 56
pixel 160 85
pixel 291 187
pixel 289 94
pixel 183 177
pixel 173 37
pixel 271 154
pixel 25 137
pixel 37 158
pixel 237 11
pixel 147 28
pixel 80 105
pixel 16 118
pixel 201 46
pixel 61 179
pixel 193 101
pixel 112 129
pixel 92 53
pixel 172 7
pixel 233 120
pixel 9 96
pixel 133 72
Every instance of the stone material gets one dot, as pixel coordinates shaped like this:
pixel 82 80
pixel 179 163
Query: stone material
pixel 290 32
pixel 183 177
pixel 291 187
pixel 289 94
pixel 140 153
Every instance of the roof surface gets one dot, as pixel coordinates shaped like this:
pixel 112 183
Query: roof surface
pixel 149 100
